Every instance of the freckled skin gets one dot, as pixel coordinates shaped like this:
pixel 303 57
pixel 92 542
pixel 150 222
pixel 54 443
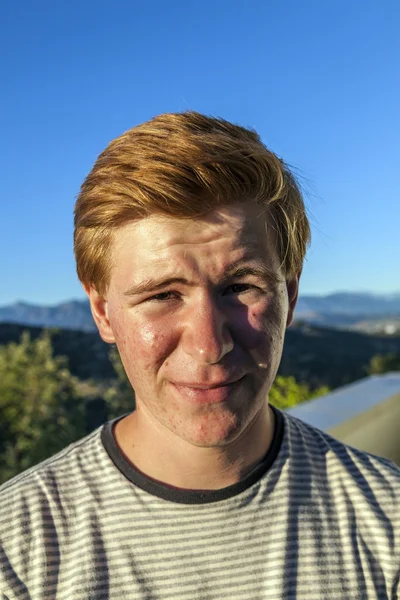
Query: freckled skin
pixel 207 331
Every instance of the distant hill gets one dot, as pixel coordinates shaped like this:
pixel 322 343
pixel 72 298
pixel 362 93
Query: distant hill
pixel 332 357
pixel 315 355
pixel 342 310
pixel 74 314
pixel 348 310
pixel 350 304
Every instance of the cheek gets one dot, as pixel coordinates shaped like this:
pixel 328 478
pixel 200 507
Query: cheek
pixel 142 346
pixel 261 326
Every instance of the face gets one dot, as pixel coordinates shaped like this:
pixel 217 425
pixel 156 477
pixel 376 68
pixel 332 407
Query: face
pixel 198 310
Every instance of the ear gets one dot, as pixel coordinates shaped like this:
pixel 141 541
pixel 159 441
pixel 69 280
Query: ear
pixel 292 286
pixel 99 308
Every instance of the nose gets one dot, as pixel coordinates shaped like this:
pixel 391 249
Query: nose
pixel 207 336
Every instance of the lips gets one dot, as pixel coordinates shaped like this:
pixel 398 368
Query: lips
pixel 207 386
pixel 205 393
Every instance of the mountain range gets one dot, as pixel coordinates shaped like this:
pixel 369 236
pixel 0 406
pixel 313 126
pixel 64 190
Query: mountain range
pixel 342 310
pixel 74 314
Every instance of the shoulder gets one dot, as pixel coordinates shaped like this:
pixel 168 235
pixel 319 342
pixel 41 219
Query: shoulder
pixel 57 461
pixel 43 508
pixel 341 467
pixel 49 485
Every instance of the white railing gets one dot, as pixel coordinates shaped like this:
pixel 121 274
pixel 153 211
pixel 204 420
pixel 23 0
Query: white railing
pixel 364 414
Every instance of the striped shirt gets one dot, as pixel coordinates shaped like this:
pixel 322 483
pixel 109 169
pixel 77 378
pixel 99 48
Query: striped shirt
pixel 315 520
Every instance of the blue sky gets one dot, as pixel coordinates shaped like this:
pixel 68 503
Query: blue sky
pixel 318 79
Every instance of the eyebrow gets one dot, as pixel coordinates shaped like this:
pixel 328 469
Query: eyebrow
pixel 233 272
pixel 262 272
pixel 152 285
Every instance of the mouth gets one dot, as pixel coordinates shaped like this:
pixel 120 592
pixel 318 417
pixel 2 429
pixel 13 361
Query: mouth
pixel 207 393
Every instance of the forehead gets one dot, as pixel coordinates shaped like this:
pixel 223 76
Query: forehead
pixel 244 224
pixel 230 232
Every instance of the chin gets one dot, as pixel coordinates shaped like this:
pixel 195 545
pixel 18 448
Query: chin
pixel 213 430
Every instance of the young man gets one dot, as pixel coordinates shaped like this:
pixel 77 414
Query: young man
pixel 189 239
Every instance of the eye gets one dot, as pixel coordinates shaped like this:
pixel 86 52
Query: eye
pixel 162 297
pixel 240 288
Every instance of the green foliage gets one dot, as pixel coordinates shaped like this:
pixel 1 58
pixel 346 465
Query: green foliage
pixel 41 410
pixel 286 392
pixel 120 397
pixel 384 363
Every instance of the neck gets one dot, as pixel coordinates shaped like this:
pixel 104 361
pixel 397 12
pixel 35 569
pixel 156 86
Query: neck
pixel 176 462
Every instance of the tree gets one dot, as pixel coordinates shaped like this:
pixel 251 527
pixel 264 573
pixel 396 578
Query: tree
pixel 41 410
pixel 384 363
pixel 286 392
pixel 120 397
